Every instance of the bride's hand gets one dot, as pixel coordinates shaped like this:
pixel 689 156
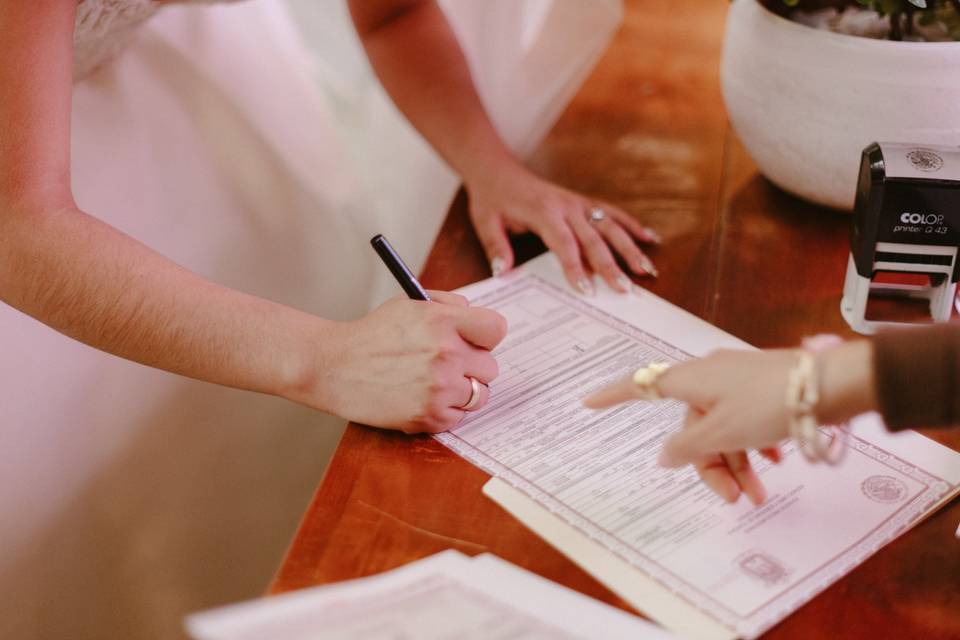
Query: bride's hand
pixel 515 200
pixel 407 364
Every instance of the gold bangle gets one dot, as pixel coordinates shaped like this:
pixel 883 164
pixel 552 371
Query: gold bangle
pixel 645 380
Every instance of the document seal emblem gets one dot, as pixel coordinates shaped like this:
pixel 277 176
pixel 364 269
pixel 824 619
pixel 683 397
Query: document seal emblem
pixel 925 160
pixel 884 489
pixel 761 566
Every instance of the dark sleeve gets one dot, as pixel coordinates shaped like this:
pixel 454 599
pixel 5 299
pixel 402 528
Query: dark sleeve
pixel 917 376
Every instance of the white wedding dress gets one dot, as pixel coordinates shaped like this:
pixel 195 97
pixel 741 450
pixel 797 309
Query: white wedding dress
pixel 251 143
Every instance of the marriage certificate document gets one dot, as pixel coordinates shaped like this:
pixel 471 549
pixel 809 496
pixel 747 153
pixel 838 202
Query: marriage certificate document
pixel 588 482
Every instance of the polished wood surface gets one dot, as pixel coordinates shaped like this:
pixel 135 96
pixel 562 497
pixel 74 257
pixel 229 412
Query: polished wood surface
pixel 647 132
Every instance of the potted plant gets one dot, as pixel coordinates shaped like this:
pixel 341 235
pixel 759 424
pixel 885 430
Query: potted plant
pixel 809 83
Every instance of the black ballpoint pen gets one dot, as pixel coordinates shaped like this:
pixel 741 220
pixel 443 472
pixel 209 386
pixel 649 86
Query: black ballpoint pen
pixel 398 268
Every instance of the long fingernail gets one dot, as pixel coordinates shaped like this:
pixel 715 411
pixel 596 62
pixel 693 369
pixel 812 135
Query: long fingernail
pixel 625 283
pixel 647 265
pixel 497 266
pixel 585 286
pixel 653 236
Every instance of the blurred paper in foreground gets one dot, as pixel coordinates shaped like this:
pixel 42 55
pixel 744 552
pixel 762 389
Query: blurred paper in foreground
pixel 448 595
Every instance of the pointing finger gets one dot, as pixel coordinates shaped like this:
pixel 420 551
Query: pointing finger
pixel 622 390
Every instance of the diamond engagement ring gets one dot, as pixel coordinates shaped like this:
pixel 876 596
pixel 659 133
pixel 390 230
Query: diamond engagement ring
pixel 597 215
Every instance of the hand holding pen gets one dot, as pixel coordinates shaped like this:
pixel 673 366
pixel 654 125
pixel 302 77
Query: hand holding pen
pixel 412 364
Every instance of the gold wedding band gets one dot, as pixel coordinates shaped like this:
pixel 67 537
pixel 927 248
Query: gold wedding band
pixel 645 381
pixel 474 395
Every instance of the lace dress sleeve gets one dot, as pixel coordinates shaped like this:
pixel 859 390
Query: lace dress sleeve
pixel 103 28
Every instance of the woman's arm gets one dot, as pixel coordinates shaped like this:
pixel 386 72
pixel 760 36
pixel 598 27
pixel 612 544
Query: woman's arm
pixel 911 376
pixel 737 399
pixel 93 283
pixel 737 402
pixel 419 61
pixel 85 278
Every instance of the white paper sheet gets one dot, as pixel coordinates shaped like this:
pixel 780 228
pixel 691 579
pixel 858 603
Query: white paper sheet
pixel 443 597
pixel 588 481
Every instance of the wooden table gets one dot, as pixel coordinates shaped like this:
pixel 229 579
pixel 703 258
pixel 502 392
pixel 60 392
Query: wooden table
pixel 648 132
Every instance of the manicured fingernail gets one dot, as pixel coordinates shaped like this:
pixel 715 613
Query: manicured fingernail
pixel 653 236
pixel 648 266
pixel 497 266
pixel 585 286
pixel 625 283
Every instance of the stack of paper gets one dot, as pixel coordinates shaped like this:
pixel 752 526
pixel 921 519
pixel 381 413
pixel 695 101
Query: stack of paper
pixel 589 484
pixel 446 596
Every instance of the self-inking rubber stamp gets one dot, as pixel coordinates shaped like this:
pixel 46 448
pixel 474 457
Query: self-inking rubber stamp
pixel 906 228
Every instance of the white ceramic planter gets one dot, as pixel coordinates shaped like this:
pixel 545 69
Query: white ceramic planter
pixel 805 102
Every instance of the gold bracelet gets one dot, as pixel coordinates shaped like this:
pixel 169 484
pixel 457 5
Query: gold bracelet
pixel 817 443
